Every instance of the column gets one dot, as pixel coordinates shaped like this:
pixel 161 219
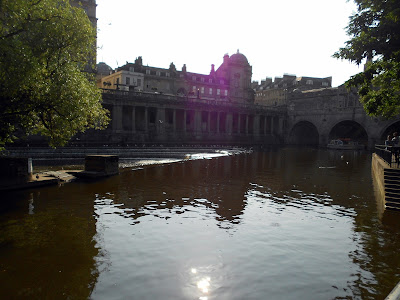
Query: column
pixel 197 121
pixel 133 119
pixel 247 124
pixel 174 119
pixel 256 125
pixel 280 126
pixel 160 120
pixel 265 125
pixel 272 125
pixel 208 122
pixel 229 123
pixel 217 121
pixel 184 121
pixel 117 118
pixel 146 120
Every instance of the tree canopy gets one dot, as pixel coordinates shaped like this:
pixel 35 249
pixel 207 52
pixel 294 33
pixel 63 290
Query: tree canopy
pixel 45 46
pixel 375 40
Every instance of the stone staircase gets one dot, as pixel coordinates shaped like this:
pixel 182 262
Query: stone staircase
pixel 392 188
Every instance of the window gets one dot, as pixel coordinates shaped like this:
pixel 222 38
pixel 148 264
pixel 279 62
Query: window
pixel 325 83
pixel 221 82
pixel 218 92
pixel 226 92
pixel 127 81
pixel 202 79
pixel 139 82
pixel 202 90
pixel 158 73
pixel 194 78
pixel 167 74
pixel 210 91
pixel 210 80
pixel 131 69
pixel 310 82
pixel 148 71
pixel 194 88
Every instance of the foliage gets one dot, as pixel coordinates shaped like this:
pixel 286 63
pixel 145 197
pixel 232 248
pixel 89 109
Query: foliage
pixel 375 32
pixel 44 48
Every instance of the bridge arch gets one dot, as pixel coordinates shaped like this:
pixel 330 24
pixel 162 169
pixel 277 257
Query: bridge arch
pixel 303 133
pixel 390 129
pixel 349 129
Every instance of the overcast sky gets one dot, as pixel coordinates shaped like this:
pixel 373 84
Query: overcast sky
pixel 277 37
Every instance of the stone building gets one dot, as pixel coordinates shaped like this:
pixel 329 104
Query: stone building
pixel 275 93
pixel 169 106
pixel 124 80
pixel 89 6
pixel 230 82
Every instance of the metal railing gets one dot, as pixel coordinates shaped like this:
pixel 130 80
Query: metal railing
pixel 389 154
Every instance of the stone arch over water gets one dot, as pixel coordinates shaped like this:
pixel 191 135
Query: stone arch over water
pixel 304 133
pixel 393 127
pixel 349 129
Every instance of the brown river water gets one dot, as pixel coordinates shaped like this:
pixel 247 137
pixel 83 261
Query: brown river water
pixel 279 224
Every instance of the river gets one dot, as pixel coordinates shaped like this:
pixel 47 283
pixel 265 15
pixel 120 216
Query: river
pixel 279 224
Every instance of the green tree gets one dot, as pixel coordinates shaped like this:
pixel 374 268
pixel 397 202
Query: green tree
pixel 375 32
pixel 44 48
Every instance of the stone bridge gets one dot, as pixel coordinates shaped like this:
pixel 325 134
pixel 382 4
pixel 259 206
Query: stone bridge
pixel 317 116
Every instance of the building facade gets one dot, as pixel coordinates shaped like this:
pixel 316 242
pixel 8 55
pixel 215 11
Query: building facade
pixel 231 82
pixel 169 106
pixel 276 92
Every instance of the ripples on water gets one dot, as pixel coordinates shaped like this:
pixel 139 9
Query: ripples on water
pixel 290 224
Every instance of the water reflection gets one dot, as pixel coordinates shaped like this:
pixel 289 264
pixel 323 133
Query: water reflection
pixel 289 224
pixel 47 251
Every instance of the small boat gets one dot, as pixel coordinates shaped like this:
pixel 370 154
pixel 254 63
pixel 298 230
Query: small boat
pixel 344 144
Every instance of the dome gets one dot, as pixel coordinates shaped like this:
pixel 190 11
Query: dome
pixel 239 58
pixel 103 68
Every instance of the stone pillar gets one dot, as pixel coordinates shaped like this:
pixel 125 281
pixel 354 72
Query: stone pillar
pixel 174 120
pixel 146 120
pixel 256 125
pixel 209 122
pixel 280 131
pixel 217 121
pixel 133 119
pixel 184 121
pixel 265 125
pixel 229 123
pixel 160 120
pixel 117 118
pixel 197 121
pixel 247 125
pixel 272 125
